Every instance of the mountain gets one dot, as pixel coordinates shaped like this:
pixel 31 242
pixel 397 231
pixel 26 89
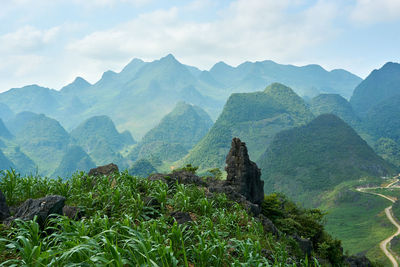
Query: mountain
pixel 41 138
pixel 383 120
pixel 31 98
pixel 5 112
pixel 74 159
pixel 142 168
pixel 5 163
pixel 100 139
pixel 305 161
pixel 78 85
pixel 254 118
pixel 144 92
pixel 4 132
pixel 309 80
pixel 177 132
pixel 334 104
pixel 21 162
pixel 380 85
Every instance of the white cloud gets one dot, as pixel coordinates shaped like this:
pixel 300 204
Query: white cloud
pixel 27 39
pixel 372 11
pixel 247 30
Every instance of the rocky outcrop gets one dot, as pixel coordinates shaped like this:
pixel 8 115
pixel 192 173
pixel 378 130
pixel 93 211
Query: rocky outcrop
pixel 74 213
pixel 181 176
pixel 181 217
pixel 243 174
pixel 104 170
pixel 358 261
pixel 4 210
pixel 42 208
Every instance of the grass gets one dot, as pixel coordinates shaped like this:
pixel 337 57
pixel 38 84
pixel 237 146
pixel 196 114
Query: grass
pixel 358 220
pixel 120 228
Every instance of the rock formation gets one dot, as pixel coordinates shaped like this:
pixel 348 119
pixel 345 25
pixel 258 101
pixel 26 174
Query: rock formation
pixel 42 208
pixel 4 210
pixel 104 170
pixel 243 174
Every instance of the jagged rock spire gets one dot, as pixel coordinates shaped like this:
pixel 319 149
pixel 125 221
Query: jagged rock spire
pixel 243 173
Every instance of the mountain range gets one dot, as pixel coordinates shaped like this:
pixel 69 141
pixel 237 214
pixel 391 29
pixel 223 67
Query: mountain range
pixel 143 92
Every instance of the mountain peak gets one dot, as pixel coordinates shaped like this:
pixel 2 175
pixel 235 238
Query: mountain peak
pixel 78 84
pixel 169 58
pixel 108 75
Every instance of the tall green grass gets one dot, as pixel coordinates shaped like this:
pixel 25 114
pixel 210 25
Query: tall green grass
pixel 120 229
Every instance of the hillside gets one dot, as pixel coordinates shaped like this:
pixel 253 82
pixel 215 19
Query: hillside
pixel 334 104
pixel 100 139
pixel 380 85
pixel 305 161
pixel 139 96
pixel 127 221
pixel 253 117
pixel 74 159
pixel 177 132
pixel 41 138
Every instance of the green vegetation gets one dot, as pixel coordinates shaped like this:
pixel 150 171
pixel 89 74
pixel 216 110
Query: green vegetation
pixel 388 150
pixel 143 92
pixel 334 104
pixel 142 168
pixel 253 117
pixel 75 159
pixel 41 138
pixel 177 132
pixel 308 160
pixel 121 227
pixel 359 221
pixel 380 85
pixel 100 139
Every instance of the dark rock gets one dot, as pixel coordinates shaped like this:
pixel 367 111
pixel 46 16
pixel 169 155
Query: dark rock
pixel 243 174
pixel 181 217
pixel 268 254
pixel 42 208
pixel 304 244
pixel 358 261
pixel 152 202
pixel 74 213
pixel 104 170
pixel 268 225
pixel 4 210
pixel 182 176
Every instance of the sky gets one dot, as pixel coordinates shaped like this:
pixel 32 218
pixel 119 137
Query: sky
pixel 50 42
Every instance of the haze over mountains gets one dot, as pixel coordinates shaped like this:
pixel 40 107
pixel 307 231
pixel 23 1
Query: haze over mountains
pixel 310 142
pixel 143 92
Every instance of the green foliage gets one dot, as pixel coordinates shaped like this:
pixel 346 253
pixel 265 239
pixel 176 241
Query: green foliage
pixel 388 150
pixel 142 168
pixel 311 159
pixel 100 139
pixel 188 168
pixel 334 104
pixel 120 229
pixel 307 223
pixel 253 117
pixel 74 159
pixel 380 85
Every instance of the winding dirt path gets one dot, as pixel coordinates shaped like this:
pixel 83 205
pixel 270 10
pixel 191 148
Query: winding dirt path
pixel 389 215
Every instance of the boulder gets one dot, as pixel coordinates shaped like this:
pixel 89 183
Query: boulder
pixel 181 217
pixel 42 208
pixel 74 213
pixel 243 174
pixel 268 225
pixel 4 210
pixel 104 170
pixel 182 176
pixel 304 244
pixel 358 261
